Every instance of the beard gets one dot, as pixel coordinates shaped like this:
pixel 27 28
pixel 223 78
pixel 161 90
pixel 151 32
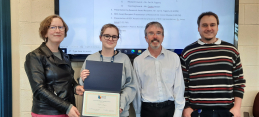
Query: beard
pixel 155 47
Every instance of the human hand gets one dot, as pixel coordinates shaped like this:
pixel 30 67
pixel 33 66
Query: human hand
pixel 84 74
pixel 80 90
pixel 187 112
pixel 121 110
pixel 235 111
pixel 73 112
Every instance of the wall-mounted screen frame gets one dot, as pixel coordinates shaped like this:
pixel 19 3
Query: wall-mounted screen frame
pixel 179 18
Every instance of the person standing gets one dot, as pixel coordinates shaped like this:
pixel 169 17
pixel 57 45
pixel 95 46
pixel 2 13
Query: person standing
pixel 109 37
pixel 159 73
pixel 213 73
pixel 50 73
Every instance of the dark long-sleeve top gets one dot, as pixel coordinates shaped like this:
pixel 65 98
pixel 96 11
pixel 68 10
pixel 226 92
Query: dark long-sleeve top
pixel 52 81
pixel 213 75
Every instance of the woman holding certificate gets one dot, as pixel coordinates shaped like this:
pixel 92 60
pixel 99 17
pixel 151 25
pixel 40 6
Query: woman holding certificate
pixel 109 36
pixel 50 73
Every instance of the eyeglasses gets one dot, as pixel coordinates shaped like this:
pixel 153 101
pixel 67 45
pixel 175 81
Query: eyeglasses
pixel 114 37
pixel 157 33
pixel 61 28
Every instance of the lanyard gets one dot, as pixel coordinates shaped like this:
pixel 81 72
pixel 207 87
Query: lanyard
pixel 112 59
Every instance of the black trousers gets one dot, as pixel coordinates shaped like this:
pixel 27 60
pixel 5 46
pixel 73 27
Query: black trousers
pixel 212 113
pixel 164 109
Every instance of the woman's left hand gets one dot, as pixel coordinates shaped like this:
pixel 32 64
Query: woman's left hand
pixel 80 90
pixel 73 112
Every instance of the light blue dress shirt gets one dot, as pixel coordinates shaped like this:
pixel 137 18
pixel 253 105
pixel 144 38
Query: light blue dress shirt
pixel 159 79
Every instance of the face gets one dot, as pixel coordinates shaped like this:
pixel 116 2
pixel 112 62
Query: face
pixel 208 28
pixel 109 43
pixel 55 35
pixel 154 37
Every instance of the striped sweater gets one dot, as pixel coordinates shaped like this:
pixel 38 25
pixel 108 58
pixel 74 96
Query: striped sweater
pixel 213 75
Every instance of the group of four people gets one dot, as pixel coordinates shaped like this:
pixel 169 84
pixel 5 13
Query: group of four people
pixel 206 81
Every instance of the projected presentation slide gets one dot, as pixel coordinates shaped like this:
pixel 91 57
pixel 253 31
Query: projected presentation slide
pixel 178 17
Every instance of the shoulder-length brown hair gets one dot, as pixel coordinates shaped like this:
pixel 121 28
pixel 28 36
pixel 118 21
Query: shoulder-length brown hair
pixel 44 26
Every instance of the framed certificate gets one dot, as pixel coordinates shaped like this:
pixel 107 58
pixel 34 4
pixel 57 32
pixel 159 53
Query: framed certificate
pixel 101 104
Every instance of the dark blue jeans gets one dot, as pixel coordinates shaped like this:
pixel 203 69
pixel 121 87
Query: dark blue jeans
pixel 212 113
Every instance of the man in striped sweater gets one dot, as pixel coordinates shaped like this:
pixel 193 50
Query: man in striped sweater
pixel 213 73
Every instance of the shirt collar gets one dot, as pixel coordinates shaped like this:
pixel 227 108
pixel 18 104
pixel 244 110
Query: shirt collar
pixel 147 53
pixel 202 43
pixel 65 58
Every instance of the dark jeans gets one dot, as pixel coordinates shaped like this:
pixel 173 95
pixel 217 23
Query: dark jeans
pixel 212 113
pixel 164 109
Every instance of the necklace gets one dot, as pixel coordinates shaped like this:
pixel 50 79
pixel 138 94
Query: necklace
pixel 101 56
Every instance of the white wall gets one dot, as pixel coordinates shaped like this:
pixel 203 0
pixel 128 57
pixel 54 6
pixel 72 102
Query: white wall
pixel 249 49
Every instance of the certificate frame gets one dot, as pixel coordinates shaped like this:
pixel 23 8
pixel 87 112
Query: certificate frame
pixel 100 104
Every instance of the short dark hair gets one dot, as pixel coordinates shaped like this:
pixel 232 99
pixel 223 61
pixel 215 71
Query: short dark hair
pixel 109 26
pixel 157 24
pixel 207 14
pixel 44 26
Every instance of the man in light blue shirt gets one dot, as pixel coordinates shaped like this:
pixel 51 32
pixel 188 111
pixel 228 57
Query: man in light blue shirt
pixel 160 81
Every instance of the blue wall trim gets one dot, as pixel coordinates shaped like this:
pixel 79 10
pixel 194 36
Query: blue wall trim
pixel 5 60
